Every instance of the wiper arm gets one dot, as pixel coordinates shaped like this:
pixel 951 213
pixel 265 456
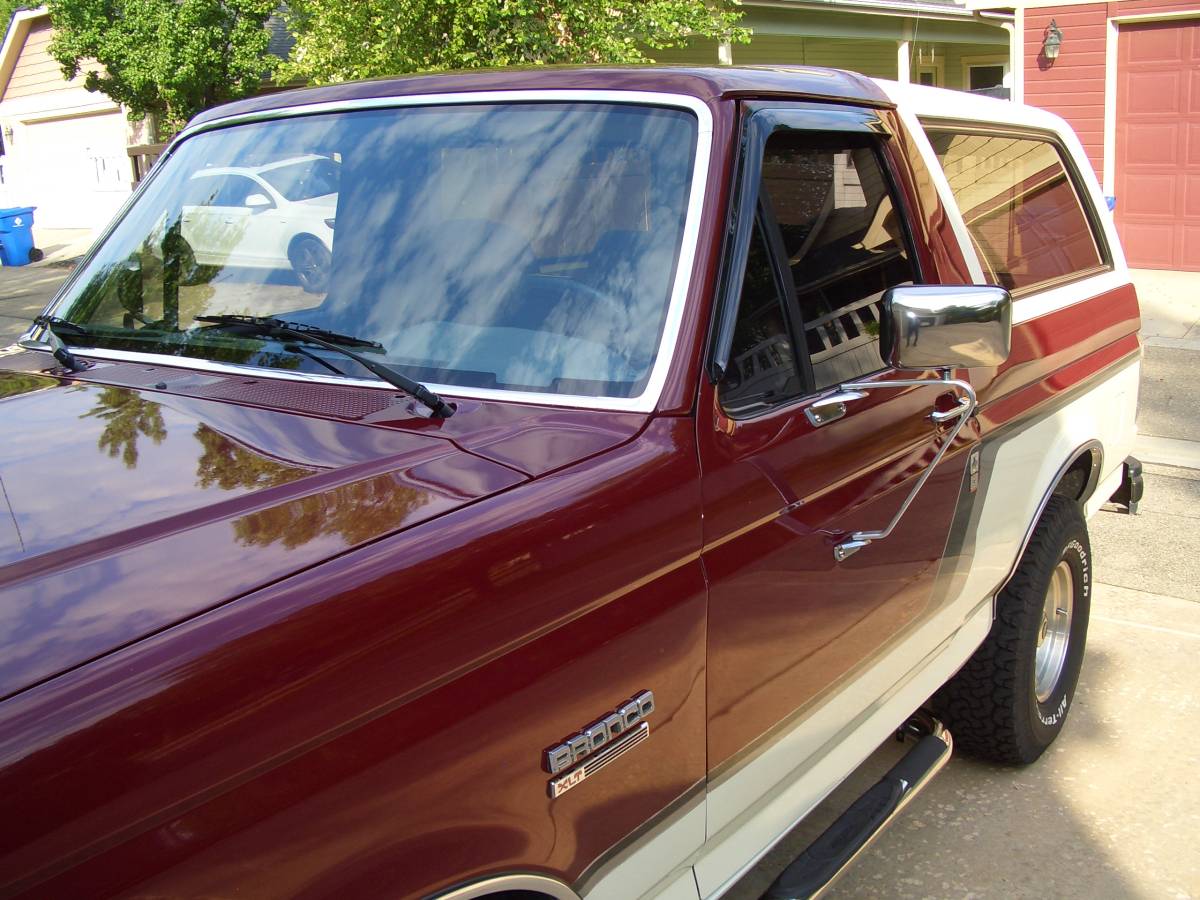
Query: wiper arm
pixel 345 340
pixel 270 327
pixel 54 346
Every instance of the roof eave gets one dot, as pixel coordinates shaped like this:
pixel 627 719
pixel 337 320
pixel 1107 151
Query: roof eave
pixel 874 7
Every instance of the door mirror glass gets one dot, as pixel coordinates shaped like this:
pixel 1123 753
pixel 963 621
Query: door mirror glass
pixel 258 201
pixel 946 326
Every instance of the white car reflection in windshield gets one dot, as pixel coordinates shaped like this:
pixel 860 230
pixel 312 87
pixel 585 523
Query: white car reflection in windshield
pixel 275 216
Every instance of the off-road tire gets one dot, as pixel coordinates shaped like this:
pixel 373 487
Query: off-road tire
pixel 991 705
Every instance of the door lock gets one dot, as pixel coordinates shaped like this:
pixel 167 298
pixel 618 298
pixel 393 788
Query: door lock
pixel 831 408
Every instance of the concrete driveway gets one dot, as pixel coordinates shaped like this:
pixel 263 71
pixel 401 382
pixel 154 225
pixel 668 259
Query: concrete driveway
pixel 25 290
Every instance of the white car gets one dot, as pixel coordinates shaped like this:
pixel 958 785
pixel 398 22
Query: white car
pixel 273 216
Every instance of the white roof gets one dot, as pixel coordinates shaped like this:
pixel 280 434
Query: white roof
pixel 943 103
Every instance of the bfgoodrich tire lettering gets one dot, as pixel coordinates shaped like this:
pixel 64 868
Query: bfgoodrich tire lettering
pixel 992 706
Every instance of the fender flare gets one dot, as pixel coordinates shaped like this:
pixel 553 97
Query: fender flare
pixel 1093 447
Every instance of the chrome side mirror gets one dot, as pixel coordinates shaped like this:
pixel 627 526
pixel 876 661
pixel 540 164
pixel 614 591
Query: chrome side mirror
pixel 936 326
pixel 939 327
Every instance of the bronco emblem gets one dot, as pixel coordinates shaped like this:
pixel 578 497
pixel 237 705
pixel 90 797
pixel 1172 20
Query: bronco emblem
pixel 599 743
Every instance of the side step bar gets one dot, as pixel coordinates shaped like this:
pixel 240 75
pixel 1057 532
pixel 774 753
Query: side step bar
pixel 814 870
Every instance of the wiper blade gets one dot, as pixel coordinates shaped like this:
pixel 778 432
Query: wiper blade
pixel 271 327
pixel 62 326
pixel 344 340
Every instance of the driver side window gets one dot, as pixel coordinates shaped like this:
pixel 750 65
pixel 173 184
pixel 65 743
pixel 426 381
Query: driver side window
pixel 836 230
pixel 844 244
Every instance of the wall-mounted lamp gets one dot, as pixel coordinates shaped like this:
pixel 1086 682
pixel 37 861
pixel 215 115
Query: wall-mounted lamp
pixel 1052 42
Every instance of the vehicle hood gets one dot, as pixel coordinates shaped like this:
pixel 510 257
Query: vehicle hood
pixel 124 510
pixel 326 203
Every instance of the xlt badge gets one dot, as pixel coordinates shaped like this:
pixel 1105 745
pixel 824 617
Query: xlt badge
pixel 595 746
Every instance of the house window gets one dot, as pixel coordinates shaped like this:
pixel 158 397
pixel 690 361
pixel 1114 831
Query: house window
pixel 981 78
pixel 929 70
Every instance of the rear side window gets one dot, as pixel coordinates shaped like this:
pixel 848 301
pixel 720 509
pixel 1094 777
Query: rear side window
pixel 1021 207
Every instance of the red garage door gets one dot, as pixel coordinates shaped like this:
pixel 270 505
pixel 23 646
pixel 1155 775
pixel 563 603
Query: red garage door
pixel 1158 144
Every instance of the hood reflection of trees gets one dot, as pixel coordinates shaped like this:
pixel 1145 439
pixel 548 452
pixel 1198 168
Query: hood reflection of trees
pixel 358 512
pixel 228 465
pixel 126 416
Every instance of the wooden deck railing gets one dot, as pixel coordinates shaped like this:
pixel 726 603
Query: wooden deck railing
pixel 142 157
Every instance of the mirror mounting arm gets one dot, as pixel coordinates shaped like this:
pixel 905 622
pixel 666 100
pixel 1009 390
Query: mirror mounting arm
pixel 965 409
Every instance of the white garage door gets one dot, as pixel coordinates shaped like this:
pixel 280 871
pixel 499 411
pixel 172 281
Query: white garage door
pixel 75 171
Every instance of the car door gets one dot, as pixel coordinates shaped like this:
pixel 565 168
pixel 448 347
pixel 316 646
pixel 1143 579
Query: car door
pixel 222 230
pixel 819 238
pixel 266 227
pixel 200 221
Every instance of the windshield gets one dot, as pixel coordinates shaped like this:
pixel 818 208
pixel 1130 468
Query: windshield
pixel 517 246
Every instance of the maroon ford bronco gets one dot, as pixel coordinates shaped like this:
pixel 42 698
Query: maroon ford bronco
pixel 551 485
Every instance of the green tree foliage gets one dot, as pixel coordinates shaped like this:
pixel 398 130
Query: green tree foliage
pixel 338 41
pixel 171 58
pixel 8 7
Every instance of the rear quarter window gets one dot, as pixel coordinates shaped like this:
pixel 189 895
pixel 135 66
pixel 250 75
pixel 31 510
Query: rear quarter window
pixel 1022 207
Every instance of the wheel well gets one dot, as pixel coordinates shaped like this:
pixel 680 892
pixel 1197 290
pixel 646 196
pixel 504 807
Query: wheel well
pixel 1080 478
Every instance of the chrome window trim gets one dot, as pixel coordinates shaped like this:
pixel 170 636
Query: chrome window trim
pixel 644 402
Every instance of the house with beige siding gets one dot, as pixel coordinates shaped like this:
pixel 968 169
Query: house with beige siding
pixel 64 146
pixel 935 42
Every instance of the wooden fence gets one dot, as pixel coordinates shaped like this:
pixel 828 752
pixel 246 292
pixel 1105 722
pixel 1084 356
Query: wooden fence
pixel 142 157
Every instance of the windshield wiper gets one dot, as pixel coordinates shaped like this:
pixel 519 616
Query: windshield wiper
pixel 331 340
pixel 55 346
pixel 256 322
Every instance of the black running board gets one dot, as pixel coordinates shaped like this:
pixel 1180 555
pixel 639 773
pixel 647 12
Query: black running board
pixel 814 870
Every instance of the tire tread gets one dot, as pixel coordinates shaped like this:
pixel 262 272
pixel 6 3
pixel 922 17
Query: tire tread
pixel 981 705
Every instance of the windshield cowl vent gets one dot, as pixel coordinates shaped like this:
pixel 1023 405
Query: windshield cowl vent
pixel 327 400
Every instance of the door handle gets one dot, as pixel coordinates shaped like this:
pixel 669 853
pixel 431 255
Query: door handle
pixel 963 407
pixel 831 408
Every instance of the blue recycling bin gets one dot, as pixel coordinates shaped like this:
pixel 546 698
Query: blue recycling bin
pixel 16 236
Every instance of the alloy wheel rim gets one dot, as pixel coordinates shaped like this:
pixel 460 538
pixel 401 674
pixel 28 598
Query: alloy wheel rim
pixel 310 268
pixel 1054 631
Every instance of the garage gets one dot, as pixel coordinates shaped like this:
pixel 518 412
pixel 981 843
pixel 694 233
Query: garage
pixel 63 146
pixel 1158 143
pixel 73 170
